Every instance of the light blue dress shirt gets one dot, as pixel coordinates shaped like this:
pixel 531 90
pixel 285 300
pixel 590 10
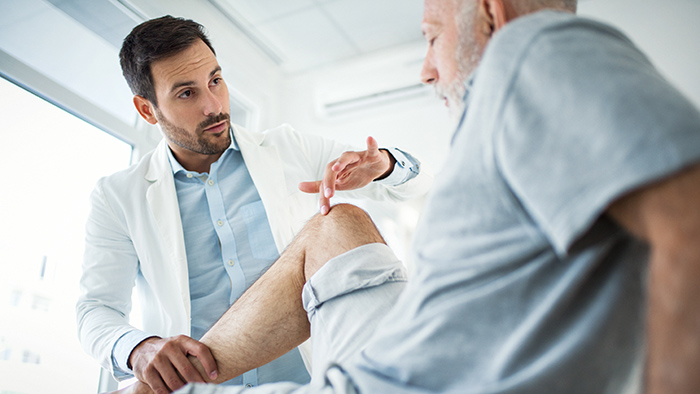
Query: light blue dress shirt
pixel 229 245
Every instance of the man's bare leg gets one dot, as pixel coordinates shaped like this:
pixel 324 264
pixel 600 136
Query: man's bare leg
pixel 269 319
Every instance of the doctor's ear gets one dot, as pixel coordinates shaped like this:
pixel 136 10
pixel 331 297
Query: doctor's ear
pixel 146 109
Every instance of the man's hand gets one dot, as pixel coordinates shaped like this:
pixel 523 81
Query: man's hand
pixel 163 364
pixel 352 170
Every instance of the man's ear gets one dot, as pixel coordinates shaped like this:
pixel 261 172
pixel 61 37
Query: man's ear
pixel 146 109
pixel 492 16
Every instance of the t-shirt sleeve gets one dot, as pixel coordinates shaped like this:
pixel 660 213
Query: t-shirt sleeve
pixel 586 120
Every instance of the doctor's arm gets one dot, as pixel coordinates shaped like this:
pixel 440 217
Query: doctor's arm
pixel 110 268
pixel 352 170
pixel 667 215
pixel 374 173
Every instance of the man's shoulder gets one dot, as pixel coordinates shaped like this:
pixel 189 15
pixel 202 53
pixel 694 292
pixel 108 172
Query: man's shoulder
pixel 554 33
pixel 287 136
pixel 131 175
pixel 549 22
pixel 560 42
pixel 270 136
pixel 282 131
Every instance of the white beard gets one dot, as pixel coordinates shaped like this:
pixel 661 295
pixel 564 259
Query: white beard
pixel 453 93
pixel 467 58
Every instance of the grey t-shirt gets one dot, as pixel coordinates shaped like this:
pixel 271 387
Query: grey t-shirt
pixel 523 284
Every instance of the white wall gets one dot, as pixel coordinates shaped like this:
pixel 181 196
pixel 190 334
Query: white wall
pixel 420 125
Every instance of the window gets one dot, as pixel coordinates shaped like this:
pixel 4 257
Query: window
pixel 51 160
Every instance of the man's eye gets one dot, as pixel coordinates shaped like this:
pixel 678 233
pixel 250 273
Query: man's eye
pixel 185 94
pixel 216 81
pixel 432 41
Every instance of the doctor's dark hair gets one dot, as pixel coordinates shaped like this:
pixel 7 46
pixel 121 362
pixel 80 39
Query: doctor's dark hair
pixel 154 40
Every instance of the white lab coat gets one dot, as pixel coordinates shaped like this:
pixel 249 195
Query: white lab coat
pixel 134 232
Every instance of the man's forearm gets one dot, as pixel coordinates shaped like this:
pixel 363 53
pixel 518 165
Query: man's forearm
pixel 673 323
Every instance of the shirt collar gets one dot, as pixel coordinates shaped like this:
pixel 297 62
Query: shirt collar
pixel 468 84
pixel 177 167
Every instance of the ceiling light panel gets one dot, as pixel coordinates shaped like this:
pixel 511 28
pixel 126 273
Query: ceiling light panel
pixel 373 25
pixel 307 38
pixel 260 11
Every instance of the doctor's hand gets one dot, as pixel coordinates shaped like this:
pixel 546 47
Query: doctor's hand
pixel 352 170
pixel 163 364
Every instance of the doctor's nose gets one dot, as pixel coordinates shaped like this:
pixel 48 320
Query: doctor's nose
pixel 212 104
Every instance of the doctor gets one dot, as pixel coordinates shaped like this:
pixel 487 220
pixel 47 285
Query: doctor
pixel 203 216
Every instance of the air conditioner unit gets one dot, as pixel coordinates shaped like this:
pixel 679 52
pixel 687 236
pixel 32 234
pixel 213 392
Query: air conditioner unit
pixel 332 107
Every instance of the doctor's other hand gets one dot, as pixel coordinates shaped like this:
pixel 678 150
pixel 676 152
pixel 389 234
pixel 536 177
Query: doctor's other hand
pixel 164 366
pixel 352 170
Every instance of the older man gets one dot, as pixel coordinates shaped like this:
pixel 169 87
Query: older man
pixel 560 243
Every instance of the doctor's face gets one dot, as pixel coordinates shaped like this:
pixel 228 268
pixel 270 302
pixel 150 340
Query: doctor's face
pixel 193 102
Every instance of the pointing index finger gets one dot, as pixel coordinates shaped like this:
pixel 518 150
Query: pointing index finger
pixel 324 202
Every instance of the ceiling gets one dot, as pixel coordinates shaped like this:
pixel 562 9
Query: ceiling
pixel 111 20
pixel 297 35
pixel 73 44
pixel 301 34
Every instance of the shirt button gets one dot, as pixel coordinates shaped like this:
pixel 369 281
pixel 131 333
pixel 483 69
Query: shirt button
pixel 249 385
pixel 220 223
pixel 403 163
pixel 231 263
pixel 189 175
pixel 211 182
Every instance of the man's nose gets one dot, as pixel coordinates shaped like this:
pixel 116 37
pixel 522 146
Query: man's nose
pixel 212 104
pixel 428 74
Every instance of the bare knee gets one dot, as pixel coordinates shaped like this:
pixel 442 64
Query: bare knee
pixel 344 228
pixel 347 224
pixel 347 212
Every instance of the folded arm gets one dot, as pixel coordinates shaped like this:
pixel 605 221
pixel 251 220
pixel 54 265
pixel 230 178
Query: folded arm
pixel 667 215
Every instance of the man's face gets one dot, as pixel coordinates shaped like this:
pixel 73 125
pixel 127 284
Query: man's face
pixel 193 102
pixel 453 51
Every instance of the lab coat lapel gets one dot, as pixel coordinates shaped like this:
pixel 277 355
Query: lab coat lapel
pixel 162 200
pixel 267 171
